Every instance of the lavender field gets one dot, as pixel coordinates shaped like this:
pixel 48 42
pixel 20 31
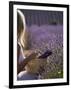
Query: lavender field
pixel 46 33
pixel 49 37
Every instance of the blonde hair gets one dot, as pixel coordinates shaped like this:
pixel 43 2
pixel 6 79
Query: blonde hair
pixel 21 30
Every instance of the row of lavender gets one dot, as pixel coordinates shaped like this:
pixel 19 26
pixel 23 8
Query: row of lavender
pixel 49 37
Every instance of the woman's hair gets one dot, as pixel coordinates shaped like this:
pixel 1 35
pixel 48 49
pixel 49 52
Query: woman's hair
pixel 22 32
pixel 20 22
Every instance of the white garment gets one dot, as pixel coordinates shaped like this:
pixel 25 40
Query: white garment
pixel 24 75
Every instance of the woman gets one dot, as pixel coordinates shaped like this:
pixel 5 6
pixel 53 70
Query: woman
pixel 23 43
pixel 32 65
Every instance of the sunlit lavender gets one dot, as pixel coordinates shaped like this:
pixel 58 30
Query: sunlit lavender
pixel 49 37
pixel 46 32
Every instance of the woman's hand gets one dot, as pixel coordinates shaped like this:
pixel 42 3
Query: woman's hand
pixel 31 54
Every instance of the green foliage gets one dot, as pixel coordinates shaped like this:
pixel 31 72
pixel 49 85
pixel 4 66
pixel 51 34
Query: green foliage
pixel 54 67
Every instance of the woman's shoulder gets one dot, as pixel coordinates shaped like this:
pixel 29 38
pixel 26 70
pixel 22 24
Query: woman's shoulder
pixel 24 75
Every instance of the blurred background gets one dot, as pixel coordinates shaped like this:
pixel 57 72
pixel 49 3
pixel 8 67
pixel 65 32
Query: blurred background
pixel 41 17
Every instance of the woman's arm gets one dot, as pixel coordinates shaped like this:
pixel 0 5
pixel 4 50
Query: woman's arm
pixel 30 54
